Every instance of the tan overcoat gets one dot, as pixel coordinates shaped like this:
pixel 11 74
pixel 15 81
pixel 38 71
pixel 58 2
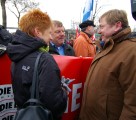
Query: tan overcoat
pixel 110 87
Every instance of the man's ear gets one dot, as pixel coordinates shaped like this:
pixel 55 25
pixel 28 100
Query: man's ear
pixel 118 26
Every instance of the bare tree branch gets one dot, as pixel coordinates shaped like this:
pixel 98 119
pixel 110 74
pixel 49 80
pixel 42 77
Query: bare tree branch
pixel 20 6
pixel 12 12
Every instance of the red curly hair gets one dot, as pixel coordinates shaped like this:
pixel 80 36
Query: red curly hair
pixel 34 18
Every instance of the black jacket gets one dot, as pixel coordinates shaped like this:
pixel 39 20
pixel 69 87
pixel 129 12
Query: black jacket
pixel 68 50
pixel 23 52
pixel 5 38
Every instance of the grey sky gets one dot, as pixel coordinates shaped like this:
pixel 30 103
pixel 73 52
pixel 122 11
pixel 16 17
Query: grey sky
pixel 68 11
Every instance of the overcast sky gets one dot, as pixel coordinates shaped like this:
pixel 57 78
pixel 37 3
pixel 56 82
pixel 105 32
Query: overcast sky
pixel 71 10
pixel 68 11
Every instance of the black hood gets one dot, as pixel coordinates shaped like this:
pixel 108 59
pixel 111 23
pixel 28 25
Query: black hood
pixel 22 45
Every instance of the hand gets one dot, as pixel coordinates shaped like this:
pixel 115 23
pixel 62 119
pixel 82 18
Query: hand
pixel 65 82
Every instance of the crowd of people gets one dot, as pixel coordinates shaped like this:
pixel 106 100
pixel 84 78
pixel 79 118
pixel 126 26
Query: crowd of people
pixel 109 90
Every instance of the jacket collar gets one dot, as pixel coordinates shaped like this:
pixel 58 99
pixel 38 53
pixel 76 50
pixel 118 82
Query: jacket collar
pixel 89 40
pixel 120 36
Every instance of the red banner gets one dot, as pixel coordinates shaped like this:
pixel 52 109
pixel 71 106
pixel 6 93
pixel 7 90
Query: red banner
pixel 5 77
pixel 71 67
pixel 74 68
pixel 7 104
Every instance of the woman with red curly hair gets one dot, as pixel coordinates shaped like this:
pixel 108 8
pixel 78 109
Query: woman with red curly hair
pixel 32 38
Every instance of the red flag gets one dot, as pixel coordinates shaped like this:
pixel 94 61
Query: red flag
pixel 93 37
pixel 77 32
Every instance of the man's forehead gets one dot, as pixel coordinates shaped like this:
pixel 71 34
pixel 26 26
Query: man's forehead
pixel 58 27
pixel 102 21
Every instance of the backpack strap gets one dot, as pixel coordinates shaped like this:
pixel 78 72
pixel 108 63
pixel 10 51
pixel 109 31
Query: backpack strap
pixel 35 88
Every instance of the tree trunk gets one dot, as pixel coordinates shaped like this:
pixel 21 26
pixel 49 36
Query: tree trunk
pixel 4 17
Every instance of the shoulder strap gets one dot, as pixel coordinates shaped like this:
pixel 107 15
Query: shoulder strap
pixel 35 88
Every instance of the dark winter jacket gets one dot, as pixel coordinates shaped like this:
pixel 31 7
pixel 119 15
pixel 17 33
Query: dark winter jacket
pixel 5 38
pixel 68 50
pixel 23 52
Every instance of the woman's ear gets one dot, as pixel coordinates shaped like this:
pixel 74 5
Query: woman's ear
pixel 37 32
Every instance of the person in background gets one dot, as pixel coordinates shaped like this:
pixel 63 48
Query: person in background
pixel 57 43
pixel 32 38
pixel 71 40
pixel 84 45
pixel 5 38
pixel 110 87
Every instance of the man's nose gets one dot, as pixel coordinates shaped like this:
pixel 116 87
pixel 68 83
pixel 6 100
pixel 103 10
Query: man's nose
pixel 99 31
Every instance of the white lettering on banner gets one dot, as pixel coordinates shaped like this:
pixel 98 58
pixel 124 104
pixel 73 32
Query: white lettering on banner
pixel 7 104
pixel 75 96
pixel 10 117
pixel 5 90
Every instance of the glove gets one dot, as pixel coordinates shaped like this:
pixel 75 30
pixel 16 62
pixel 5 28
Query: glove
pixel 65 82
pixel 2 49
